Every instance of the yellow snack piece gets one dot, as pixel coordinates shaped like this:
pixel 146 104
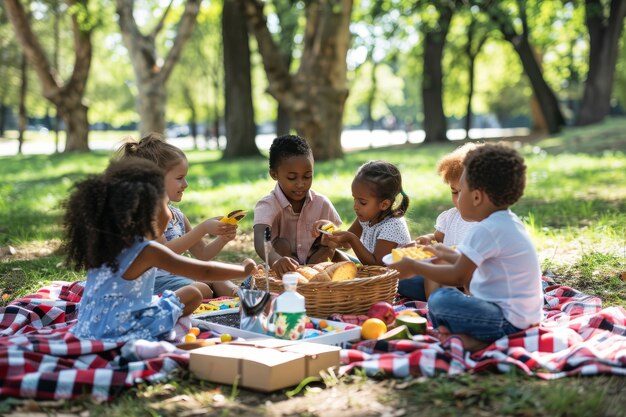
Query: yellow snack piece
pixel 234 217
pixel 190 337
pixel 413 252
pixel 329 228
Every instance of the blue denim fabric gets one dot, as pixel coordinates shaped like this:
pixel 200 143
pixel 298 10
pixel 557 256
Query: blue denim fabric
pixel 464 314
pixel 170 282
pixel 412 288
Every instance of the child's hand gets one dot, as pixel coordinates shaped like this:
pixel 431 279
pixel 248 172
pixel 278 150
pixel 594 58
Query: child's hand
pixel 214 227
pixel 424 239
pixel 249 266
pixel 284 264
pixel 315 232
pixel 443 252
pixel 342 238
pixel 405 267
pixel 227 237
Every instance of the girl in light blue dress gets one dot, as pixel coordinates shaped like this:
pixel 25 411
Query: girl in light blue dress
pixel 110 220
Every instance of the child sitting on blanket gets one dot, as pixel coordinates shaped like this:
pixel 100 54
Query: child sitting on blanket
pixel 179 235
pixel 292 208
pixel 379 226
pixel 109 221
pixel 450 228
pixel 496 260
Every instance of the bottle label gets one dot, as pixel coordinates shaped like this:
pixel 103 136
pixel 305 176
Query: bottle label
pixel 289 326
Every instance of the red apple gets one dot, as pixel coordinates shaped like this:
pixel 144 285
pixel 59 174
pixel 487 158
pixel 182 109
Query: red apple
pixel 383 311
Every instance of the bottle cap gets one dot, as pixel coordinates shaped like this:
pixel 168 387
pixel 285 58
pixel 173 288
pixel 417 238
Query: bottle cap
pixel 290 279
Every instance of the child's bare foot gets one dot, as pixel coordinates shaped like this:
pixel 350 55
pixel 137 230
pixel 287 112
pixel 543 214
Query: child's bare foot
pixel 469 343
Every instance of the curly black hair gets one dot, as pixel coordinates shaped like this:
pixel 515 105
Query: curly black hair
pixel 385 182
pixel 499 171
pixel 286 146
pixel 106 213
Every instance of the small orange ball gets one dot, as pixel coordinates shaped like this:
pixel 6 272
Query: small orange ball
pixel 194 331
pixel 323 324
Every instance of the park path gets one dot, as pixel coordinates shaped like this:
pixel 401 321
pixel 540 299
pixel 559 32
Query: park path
pixel 350 140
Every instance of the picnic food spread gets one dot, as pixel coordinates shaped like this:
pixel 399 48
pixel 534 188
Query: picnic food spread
pixel 327 271
pixel 413 252
pixel 234 217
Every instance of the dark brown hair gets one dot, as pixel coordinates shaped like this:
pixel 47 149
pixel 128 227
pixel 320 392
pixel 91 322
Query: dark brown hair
pixel 499 171
pixel 385 182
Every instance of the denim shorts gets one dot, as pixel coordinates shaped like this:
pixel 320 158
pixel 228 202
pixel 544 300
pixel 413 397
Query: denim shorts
pixel 464 314
pixel 412 288
pixel 170 282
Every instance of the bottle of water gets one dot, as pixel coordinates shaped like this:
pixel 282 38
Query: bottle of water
pixel 289 311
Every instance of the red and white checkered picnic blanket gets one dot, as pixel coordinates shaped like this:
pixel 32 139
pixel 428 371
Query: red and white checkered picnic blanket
pixel 576 336
pixel 40 358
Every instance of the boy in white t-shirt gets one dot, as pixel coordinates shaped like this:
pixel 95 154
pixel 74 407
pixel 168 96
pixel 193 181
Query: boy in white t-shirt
pixel 450 228
pixel 496 261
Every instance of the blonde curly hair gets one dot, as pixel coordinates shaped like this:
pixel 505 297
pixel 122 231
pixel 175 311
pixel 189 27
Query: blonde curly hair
pixel 450 166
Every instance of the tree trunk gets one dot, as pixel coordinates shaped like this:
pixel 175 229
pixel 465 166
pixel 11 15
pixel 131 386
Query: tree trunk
pixel 603 52
pixel 371 96
pixel 23 117
pixel 150 76
pixel 3 117
pixel 315 96
pixel 321 120
pixel 470 95
pixel 435 123
pixel 67 95
pixel 239 111
pixel 544 94
pixel 74 115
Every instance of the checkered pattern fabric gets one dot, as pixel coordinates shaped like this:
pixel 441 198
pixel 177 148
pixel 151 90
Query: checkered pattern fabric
pixel 576 337
pixel 40 358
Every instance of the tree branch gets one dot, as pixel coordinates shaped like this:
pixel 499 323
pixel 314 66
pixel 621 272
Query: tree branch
pixel 183 32
pixel 159 25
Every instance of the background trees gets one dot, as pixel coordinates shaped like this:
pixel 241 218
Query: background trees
pixel 313 67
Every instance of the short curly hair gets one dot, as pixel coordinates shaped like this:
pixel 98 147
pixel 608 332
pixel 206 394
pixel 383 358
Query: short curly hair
pixel 106 213
pixel 450 166
pixel 286 146
pixel 499 171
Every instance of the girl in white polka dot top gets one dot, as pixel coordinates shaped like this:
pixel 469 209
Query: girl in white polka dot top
pixel 380 225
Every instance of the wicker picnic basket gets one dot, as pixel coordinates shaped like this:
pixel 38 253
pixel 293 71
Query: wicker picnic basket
pixel 355 296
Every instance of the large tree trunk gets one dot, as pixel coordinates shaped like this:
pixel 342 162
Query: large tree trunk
pixel 151 78
pixel 68 95
pixel 435 123
pixel 545 96
pixel 315 96
pixel 74 115
pixel 604 36
pixel 239 111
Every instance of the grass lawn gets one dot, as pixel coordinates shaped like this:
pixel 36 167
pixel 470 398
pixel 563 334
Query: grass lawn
pixel 574 207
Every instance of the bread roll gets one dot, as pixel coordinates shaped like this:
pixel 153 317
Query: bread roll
pixel 340 271
pixel 307 272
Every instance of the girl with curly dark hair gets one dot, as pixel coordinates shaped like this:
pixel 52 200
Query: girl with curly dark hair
pixel 110 221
